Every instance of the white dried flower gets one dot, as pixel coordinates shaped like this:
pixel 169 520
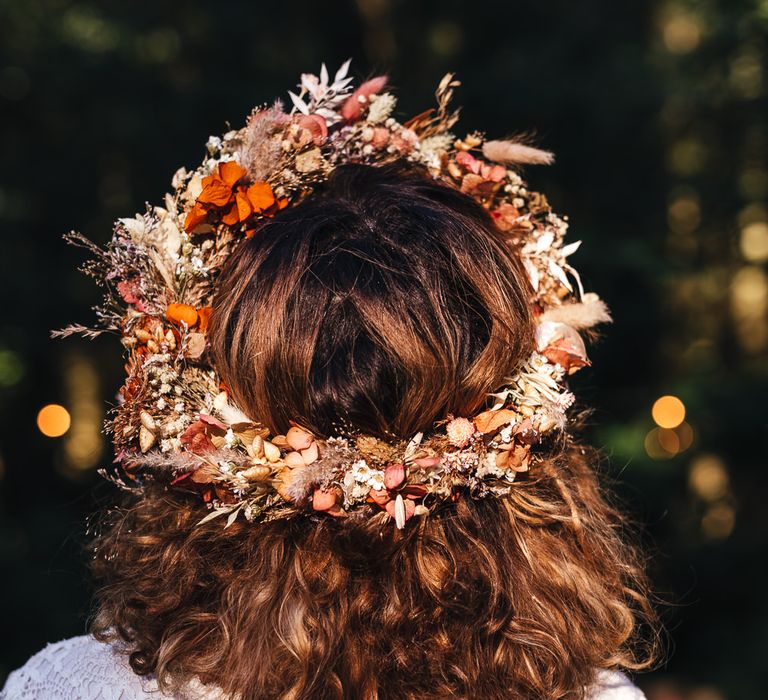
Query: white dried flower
pixel 381 107
pixel 488 467
pixel 376 480
pixel 359 479
pixel 179 177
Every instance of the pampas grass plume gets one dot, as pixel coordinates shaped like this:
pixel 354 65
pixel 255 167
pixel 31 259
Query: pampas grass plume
pixel 516 153
pixel 590 311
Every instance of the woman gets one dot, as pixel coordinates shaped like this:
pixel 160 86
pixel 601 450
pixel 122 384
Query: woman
pixel 346 431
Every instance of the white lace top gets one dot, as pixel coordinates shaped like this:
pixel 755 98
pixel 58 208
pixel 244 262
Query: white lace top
pixel 82 668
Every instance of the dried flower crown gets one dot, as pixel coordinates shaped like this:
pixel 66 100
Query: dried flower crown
pixel 176 425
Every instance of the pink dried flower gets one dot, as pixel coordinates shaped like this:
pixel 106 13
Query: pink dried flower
pixel 324 498
pixel 316 126
pixel 460 431
pixel 394 475
pixel 196 440
pixel 298 439
pixel 130 290
pixel 379 496
pixel 506 216
pixel 408 509
pixel 489 173
pixel 427 462
pixel 380 137
pixel 294 459
pixel 404 140
pixel 469 162
pixel 562 345
pixel 353 105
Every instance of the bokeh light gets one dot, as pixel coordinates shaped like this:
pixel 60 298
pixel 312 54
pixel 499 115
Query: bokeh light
pixel 754 242
pixel 11 368
pixel 668 441
pixel 685 436
pixel 84 444
pixel 749 307
pixel 665 443
pixel 53 420
pixel 718 521
pixel 684 212
pixel 681 31
pixel 745 75
pixel 668 412
pixel 708 478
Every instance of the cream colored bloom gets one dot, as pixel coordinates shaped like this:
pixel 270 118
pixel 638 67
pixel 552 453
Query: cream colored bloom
pixel 460 431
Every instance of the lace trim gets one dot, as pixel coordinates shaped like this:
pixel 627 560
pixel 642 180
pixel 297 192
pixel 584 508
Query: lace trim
pixel 81 668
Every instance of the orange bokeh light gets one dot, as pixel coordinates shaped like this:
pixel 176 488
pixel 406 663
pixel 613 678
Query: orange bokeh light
pixel 668 412
pixel 53 420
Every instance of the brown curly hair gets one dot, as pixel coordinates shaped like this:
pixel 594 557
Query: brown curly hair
pixel 382 303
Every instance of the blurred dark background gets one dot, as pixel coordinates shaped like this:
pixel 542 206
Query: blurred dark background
pixel 657 112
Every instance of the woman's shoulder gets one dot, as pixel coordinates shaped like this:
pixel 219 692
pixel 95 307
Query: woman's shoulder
pixel 82 668
pixel 613 685
pixel 79 668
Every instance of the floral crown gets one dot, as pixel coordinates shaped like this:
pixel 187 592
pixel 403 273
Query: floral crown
pixel 176 423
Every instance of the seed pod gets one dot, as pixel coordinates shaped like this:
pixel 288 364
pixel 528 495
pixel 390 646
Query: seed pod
pixel 258 472
pixel 256 447
pixel 148 422
pixel 280 441
pixel 271 452
pixel 146 439
pixel 283 483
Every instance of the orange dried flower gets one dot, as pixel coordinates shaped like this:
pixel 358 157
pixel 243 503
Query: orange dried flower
pixel 182 313
pixel 234 203
pixel 204 318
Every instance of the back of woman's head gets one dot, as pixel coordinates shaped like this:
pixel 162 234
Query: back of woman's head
pixel 384 302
